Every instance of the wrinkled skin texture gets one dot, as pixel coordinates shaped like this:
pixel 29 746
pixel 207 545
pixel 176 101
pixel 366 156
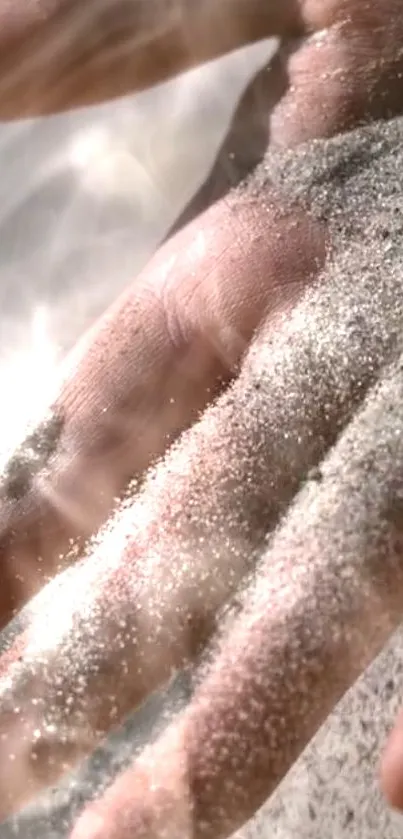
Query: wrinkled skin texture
pixel 190 334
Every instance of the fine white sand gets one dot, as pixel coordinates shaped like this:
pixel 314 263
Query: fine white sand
pixel 332 792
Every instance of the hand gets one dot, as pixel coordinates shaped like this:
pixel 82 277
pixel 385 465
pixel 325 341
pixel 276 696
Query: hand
pixel 64 53
pixel 228 300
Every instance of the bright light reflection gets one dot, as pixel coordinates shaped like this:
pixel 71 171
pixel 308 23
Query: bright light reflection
pixel 28 381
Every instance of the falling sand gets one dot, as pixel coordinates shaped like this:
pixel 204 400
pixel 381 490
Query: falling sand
pixel 287 497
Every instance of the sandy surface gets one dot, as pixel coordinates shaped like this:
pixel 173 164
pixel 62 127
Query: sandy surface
pixel 332 791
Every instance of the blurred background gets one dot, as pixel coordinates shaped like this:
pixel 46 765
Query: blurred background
pixel 85 199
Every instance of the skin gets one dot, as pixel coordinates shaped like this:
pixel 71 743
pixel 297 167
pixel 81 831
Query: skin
pixel 172 343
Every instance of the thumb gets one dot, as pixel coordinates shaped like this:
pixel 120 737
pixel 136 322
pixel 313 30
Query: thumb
pixel 71 53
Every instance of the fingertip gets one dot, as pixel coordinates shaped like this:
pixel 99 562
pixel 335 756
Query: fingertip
pixel 391 769
pixel 91 825
pixel 150 799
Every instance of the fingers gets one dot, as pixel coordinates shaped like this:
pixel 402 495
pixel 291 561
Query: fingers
pixel 69 53
pixel 145 601
pixel 45 532
pixel 326 597
pixel 48 532
pixel 144 373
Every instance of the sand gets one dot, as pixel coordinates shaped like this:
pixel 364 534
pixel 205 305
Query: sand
pixel 354 183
